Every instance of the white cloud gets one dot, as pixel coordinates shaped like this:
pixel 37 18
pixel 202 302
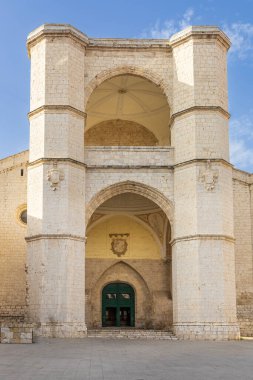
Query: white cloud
pixel 169 27
pixel 241 36
pixel 241 143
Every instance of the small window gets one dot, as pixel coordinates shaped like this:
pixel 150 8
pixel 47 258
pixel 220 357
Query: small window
pixel 22 172
pixel 23 216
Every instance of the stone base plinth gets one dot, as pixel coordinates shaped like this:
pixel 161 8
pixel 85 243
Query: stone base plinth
pixel 16 333
pixel 61 330
pixel 207 331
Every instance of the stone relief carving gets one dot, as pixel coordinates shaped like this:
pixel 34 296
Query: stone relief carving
pixel 209 177
pixel 156 221
pixel 55 176
pixel 94 218
pixel 119 243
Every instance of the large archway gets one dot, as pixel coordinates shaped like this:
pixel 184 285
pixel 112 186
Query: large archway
pixel 144 190
pixel 128 241
pixel 127 108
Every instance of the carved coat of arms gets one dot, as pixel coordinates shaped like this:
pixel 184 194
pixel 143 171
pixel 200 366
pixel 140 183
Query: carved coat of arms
pixel 119 243
pixel 54 176
pixel 209 177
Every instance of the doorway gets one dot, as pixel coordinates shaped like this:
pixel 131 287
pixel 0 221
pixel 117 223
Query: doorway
pixel 118 305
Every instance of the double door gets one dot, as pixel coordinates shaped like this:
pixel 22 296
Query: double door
pixel 118 305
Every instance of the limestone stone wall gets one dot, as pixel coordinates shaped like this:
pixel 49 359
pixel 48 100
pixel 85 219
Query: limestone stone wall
pixel 98 179
pixel 242 184
pixel 124 156
pixel 151 60
pixel 119 132
pixel 13 183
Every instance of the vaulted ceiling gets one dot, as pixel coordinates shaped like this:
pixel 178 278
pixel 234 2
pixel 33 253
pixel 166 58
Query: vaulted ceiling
pixel 129 97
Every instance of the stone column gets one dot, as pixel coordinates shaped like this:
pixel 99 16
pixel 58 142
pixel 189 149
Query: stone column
pixel 204 298
pixel 56 179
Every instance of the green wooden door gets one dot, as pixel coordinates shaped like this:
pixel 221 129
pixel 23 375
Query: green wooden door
pixel 118 303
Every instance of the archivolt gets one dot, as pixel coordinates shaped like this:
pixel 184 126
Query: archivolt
pixel 130 187
pixel 120 70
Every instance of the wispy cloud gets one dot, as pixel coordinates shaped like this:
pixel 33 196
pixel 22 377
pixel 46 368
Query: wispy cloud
pixel 241 36
pixel 241 142
pixel 169 27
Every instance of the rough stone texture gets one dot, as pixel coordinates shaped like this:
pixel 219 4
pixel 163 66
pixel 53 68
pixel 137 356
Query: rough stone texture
pixel 13 196
pixel 16 333
pixel 209 205
pixel 119 132
pixel 150 281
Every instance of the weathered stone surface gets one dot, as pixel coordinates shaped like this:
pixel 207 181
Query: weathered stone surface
pixel 204 271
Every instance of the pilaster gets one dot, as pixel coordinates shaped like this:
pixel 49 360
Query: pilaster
pixel 56 181
pixel 204 300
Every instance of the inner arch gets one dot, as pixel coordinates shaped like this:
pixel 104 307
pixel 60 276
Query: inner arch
pixel 127 110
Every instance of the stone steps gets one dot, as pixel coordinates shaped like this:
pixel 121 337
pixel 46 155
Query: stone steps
pixel 117 333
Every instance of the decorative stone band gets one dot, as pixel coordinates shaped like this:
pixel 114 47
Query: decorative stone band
pixel 207 33
pixel 207 330
pixel 55 236
pixel 199 108
pixel 228 238
pixel 204 160
pixel 56 30
pixel 57 109
pixel 128 44
pixel 51 160
pixel 130 166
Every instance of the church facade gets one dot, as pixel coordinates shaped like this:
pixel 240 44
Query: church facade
pixel 125 211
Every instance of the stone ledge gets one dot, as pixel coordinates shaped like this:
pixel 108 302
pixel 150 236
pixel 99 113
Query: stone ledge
pixel 200 32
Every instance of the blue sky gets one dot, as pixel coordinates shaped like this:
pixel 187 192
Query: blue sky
pixel 128 18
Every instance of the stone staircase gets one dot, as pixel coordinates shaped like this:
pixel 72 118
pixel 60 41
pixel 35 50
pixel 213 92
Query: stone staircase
pixel 130 333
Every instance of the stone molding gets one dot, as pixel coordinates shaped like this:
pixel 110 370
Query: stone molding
pixel 220 161
pixel 56 30
pixel 228 238
pixel 128 148
pixel 128 43
pixel 198 109
pixel 126 69
pixel 50 108
pixel 200 33
pixel 133 187
pixel 130 166
pixel 54 236
pixel 51 160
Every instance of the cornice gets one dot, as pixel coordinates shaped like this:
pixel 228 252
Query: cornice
pixel 128 44
pixel 203 160
pixel 49 160
pixel 228 238
pixel 200 33
pixel 199 109
pixel 56 109
pixel 56 30
pixel 55 237
pixel 66 30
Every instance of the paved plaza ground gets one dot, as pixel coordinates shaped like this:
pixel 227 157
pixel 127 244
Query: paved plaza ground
pixel 96 358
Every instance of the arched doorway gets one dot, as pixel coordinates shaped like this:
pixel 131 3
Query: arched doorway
pixel 118 305
pixel 128 240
